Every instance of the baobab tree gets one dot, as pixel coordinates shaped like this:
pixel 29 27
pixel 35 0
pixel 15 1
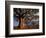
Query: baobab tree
pixel 24 14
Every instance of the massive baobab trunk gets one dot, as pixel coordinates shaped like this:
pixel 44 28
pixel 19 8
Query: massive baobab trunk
pixel 22 24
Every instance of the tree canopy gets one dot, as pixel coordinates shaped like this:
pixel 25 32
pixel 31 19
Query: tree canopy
pixel 24 12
